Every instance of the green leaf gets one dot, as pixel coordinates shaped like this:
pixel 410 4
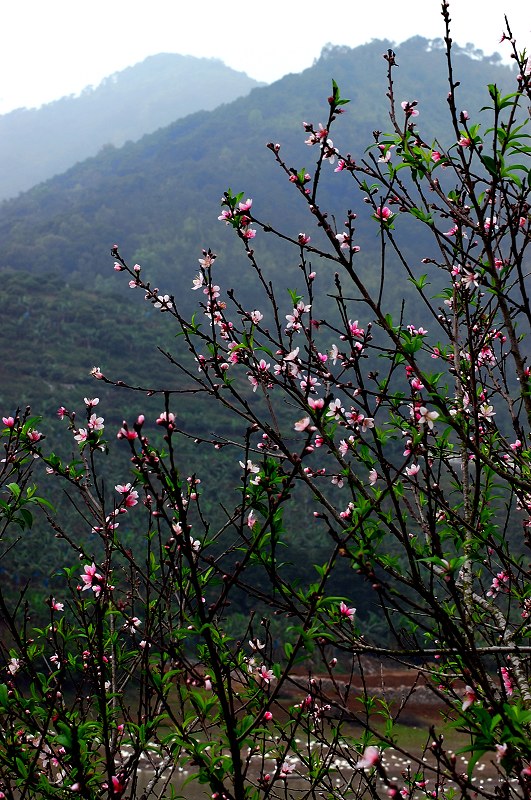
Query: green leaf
pixel 4 697
pixel 422 215
pixel 490 165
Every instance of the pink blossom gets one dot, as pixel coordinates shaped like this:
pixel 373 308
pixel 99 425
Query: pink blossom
pixel 302 424
pixel 386 151
pixel 373 477
pixel 286 769
pixel 366 423
pixel 125 433
pixel 334 354
pixel 413 470
pixel 501 751
pixel 55 605
pixel 131 499
pixel 268 716
pixel 245 206
pixel 256 317
pixel 165 418
pixel 91 578
pixel 266 674
pixel 81 435
pixel 345 612
pixel 435 156
pixel 427 417
pixel 132 624
pixel 317 403
pixel 409 108
pixel 309 383
pixel 9 422
pixel 251 519
pixel 470 698
pixel 249 233
pixel 198 281
pixel 486 411
pixel 118 785
pixel 14 666
pixel 344 240
pixel 96 373
pixel 335 409
pixel 95 423
pixel 303 238
pixel 370 757
pixel 212 290
pixel 383 213
pixel 251 468
pixel 464 141
pixel 163 302
pixel 470 279
pixel 355 330
pixel 507 681
pixel 294 318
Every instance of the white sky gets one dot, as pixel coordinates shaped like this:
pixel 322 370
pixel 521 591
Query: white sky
pixel 51 48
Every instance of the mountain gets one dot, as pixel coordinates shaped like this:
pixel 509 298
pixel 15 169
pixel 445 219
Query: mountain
pixel 37 143
pixel 65 310
pixel 159 199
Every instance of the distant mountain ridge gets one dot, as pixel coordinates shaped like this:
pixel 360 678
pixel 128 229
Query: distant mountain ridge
pixel 38 143
pixel 159 196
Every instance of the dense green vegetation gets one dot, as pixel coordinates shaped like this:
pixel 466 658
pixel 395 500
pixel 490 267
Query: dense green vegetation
pixel 159 198
pixel 64 310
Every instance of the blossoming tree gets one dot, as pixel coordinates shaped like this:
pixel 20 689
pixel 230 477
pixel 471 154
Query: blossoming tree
pixel 407 426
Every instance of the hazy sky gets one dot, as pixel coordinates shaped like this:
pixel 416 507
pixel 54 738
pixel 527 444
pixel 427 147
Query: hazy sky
pixel 50 48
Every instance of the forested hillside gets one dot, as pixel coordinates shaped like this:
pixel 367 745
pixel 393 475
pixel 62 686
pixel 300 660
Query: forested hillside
pixel 66 310
pixel 159 199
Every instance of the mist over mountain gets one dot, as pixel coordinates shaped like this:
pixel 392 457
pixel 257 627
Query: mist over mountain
pixel 158 198
pixel 37 143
